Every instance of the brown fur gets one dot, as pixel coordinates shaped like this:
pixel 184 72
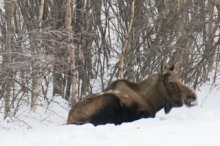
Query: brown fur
pixel 125 101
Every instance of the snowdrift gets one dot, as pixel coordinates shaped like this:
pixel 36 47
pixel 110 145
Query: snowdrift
pixel 197 126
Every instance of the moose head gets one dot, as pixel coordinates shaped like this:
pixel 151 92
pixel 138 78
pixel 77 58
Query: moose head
pixel 176 92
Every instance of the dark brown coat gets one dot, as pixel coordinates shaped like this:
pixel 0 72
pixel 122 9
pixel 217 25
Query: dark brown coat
pixel 125 101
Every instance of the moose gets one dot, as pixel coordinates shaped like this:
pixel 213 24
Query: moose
pixel 125 101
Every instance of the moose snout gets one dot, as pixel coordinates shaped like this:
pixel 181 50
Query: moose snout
pixel 194 102
pixel 191 100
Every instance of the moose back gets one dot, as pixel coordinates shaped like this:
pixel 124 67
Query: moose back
pixel 125 101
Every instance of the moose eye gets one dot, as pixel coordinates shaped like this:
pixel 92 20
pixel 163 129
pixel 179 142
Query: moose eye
pixel 171 83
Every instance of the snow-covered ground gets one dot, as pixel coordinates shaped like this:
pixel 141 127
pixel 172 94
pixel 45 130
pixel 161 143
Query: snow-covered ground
pixel 197 126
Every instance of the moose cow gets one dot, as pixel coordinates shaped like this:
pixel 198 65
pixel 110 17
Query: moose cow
pixel 125 101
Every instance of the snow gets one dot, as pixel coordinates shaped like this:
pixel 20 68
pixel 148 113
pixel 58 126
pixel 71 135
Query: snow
pixel 196 126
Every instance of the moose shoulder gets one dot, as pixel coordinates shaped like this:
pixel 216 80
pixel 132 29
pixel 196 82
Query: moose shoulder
pixel 125 101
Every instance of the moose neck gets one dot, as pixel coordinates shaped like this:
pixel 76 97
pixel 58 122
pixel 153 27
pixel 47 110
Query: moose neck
pixel 153 91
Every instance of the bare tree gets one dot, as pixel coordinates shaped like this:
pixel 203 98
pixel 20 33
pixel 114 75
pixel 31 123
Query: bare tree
pixel 7 60
pixel 77 47
pixel 71 79
pixel 38 81
pixel 126 41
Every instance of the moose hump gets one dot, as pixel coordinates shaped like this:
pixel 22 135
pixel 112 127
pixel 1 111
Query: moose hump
pixel 125 101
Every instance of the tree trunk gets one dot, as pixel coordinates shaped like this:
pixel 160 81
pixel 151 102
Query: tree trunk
pixel 210 39
pixel 71 49
pixel 60 62
pixel 125 43
pixel 78 28
pixel 39 77
pixel 9 7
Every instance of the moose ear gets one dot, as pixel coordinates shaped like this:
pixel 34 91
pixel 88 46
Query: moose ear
pixel 164 68
pixel 176 67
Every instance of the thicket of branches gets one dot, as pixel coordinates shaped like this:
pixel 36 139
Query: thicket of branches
pixel 68 45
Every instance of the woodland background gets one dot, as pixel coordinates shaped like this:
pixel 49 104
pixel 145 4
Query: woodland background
pixel 71 48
